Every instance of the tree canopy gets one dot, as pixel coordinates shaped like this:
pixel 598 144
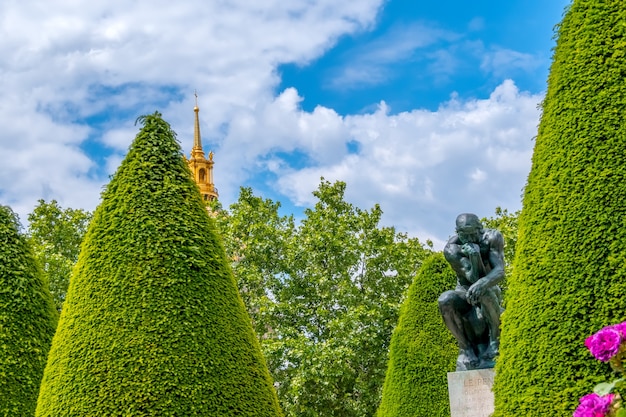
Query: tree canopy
pixel 27 320
pixel 55 235
pixel 324 295
pixel 569 275
pixel 422 349
pixel 153 323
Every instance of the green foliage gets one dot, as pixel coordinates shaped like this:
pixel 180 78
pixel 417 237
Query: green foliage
pixel 422 349
pixel 27 321
pixel 55 235
pixel 153 323
pixel 324 296
pixel 570 268
pixel 346 280
pixel 256 240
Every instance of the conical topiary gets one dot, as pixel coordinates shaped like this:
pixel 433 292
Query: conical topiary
pixel 422 350
pixel 27 321
pixel 569 275
pixel 153 324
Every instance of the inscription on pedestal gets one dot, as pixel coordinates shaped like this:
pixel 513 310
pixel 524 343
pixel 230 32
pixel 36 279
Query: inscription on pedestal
pixel 470 393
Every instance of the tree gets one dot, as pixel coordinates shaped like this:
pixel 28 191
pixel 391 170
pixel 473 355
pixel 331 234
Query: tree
pixel 256 238
pixel 324 296
pixel 422 349
pixel 153 323
pixel 55 235
pixel 569 276
pixel 27 320
pixel 347 279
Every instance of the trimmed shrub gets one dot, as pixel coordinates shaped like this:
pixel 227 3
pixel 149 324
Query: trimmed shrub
pixel 153 324
pixel 422 350
pixel 569 275
pixel 27 321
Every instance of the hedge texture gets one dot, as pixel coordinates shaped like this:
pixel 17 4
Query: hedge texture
pixel 153 324
pixel 27 321
pixel 422 350
pixel 569 275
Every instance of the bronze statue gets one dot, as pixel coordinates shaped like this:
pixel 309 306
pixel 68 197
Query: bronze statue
pixel 472 310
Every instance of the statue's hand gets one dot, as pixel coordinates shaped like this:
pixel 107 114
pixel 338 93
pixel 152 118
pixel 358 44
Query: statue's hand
pixel 476 291
pixel 469 249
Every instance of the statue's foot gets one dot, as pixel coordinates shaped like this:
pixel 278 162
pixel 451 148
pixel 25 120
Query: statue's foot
pixel 486 364
pixel 491 352
pixel 467 360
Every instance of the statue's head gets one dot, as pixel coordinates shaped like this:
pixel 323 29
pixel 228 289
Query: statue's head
pixel 468 228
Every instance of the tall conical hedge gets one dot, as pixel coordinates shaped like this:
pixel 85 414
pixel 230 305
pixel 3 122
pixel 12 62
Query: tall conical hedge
pixel 422 350
pixel 27 321
pixel 153 324
pixel 569 275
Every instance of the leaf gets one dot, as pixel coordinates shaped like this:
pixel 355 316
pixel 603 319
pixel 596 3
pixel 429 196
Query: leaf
pixel 604 388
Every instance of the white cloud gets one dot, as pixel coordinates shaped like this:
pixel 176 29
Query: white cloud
pixel 67 65
pixel 77 75
pixel 423 167
pixel 466 156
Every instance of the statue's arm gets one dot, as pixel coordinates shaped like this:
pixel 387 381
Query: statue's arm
pixel 458 261
pixel 495 274
pixel 496 259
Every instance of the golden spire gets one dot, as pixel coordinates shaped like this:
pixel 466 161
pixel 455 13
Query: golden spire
pixel 201 168
pixel 197 140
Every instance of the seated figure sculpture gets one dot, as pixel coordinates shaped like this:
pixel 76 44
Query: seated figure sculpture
pixel 472 310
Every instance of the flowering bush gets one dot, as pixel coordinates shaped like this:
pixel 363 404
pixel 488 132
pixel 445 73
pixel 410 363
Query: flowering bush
pixel 607 345
pixel 594 405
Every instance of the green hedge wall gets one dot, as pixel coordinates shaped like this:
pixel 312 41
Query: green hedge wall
pixel 569 275
pixel 153 324
pixel 422 350
pixel 27 321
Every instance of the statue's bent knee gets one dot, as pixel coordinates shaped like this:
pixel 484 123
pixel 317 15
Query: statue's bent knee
pixel 448 301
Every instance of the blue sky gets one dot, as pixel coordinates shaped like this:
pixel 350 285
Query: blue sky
pixel 418 53
pixel 427 108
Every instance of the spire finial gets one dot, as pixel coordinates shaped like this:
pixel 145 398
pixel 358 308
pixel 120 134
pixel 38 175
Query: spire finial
pixel 197 141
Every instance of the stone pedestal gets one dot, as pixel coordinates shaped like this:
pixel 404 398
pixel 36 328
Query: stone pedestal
pixel 470 393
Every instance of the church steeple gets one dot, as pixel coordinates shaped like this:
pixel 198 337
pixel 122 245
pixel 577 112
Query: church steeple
pixel 201 167
pixel 197 140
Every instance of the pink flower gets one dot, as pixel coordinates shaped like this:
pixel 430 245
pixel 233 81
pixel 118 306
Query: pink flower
pixel 620 327
pixel 605 343
pixel 593 405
